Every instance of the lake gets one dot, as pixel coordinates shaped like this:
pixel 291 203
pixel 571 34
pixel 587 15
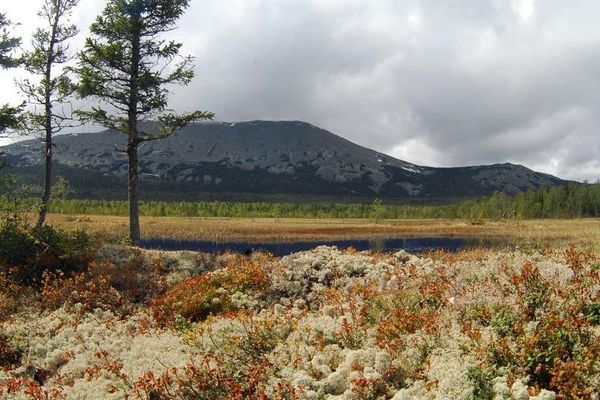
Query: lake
pixel 280 249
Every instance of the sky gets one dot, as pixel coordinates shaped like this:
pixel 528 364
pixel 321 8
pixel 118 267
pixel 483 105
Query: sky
pixel 432 82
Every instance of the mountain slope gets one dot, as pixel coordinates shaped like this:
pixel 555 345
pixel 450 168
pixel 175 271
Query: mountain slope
pixel 264 157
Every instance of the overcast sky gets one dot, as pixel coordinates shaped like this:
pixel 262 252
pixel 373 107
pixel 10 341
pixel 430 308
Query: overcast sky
pixel 433 82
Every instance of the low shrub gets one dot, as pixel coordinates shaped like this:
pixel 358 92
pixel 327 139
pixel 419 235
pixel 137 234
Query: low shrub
pixel 239 369
pixel 27 253
pixel 11 295
pixel 104 286
pixel 9 357
pixel 545 330
pixel 215 292
pixel 91 289
pixel 377 327
pixel 137 280
pixel 204 380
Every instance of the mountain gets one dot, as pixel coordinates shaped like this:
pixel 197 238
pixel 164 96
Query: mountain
pixel 260 158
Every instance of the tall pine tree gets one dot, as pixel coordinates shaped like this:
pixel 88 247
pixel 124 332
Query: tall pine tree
pixel 127 64
pixel 50 86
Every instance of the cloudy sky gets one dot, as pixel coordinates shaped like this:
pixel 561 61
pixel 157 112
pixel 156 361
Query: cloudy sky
pixel 433 82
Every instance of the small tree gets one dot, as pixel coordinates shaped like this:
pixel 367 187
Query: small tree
pixel 49 90
pixel 127 64
pixel 376 210
pixel 60 192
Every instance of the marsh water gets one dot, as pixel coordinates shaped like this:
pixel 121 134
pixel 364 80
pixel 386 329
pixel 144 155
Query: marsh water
pixel 280 249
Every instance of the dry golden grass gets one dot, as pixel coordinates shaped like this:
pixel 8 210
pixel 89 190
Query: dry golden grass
pixel 557 232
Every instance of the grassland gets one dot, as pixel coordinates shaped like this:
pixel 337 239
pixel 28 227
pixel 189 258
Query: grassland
pixel 560 232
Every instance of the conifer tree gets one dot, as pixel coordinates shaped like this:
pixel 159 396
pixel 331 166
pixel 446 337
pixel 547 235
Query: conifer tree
pixel 127 64
pixel 50 87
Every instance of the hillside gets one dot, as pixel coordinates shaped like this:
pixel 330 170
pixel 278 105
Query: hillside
pixel 261 158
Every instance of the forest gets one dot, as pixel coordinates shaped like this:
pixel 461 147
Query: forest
pixel 568 201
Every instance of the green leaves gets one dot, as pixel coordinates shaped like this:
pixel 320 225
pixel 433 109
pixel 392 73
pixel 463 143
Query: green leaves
pixel 102 117
pixel 128 67
pixel 377 210
pixel 170 123
pixel 10 116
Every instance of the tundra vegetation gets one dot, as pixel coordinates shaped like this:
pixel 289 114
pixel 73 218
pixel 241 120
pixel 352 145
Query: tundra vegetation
pixel 82 320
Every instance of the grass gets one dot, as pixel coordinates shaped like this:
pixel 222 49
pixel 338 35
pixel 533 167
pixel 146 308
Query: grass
pixel 548 232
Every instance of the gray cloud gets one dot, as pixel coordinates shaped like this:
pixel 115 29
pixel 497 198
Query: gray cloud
pixel 434 82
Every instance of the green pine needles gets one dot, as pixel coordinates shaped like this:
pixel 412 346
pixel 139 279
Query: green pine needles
pixel 128 64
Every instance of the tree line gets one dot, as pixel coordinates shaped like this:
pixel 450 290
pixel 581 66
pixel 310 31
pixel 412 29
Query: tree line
pixel 126 66
pixel 568 201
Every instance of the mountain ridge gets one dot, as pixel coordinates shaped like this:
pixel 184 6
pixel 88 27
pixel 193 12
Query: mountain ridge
pixel 291 157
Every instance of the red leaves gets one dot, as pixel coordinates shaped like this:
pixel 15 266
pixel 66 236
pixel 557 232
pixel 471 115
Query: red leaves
pixel 196 298
pixel 543 327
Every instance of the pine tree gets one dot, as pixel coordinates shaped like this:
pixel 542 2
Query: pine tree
pixel 50 86
pixel 127 65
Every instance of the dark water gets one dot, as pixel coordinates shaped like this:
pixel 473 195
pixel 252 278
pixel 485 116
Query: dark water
pixel 279 249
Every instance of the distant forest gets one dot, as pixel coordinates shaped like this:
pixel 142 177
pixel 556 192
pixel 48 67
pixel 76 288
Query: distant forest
pixel 567 201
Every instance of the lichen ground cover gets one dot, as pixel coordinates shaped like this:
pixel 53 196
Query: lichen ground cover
pixel 321 324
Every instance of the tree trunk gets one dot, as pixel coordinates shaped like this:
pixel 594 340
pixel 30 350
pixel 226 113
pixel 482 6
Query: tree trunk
pixel 133 136
pixel 48 120
pixel 47 181
pixel 134 212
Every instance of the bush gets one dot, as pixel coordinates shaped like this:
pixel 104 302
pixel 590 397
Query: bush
pixel 215 292
pixel 105 285
pixel 11 296
pixel 27 253
pixel 547 332
pixel 9 356
pixel 91 289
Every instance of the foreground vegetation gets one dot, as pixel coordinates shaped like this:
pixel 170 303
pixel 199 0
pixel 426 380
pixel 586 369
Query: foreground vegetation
pixel 82 319
pixel 322 324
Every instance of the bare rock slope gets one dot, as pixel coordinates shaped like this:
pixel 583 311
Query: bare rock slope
pixel 270 157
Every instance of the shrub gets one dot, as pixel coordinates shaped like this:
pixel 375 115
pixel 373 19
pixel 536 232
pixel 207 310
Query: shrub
pixel 9 357
pixel 215 292
pixel 203 380
pixel 545 330
pixel 239 369
pixel 29 252
pixel 136 280
pixel 482 382
pixel 10 295
pixel 91 289
pixel 105 286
